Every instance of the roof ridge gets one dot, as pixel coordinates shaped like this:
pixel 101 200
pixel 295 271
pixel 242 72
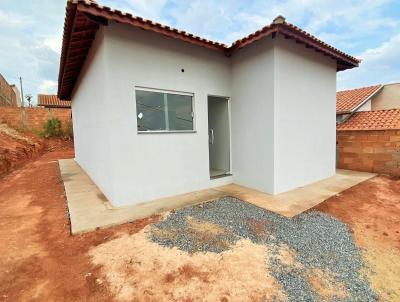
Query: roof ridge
pixel 278 20
pixel 358 88
pixel 99 15
pixel 378 110
pixel 140 18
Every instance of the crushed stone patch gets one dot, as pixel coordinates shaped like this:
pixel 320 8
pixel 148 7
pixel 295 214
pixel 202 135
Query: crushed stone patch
pixel 318 241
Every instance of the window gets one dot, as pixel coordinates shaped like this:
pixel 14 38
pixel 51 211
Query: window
pixel 164 111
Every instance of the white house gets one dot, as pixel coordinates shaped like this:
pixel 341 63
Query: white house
pixel 159 112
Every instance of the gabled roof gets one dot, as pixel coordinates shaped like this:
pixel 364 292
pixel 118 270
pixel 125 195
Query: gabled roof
pixel 52 101
pixel 349 100
pixel 84 17
pixel 372 120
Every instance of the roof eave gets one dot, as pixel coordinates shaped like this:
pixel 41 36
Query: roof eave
pixel 290 31
pixel 96 16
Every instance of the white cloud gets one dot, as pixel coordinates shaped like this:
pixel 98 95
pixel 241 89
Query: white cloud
pixel 31 40
pixel 150 9
pixel 379 65
pixel 54 42
pixel 12 20
pixel 48 87
pixel 205 18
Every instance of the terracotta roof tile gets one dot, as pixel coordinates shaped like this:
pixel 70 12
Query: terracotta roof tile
pixel 84 17
pixel 372 120
pixel 52 101
pixel 348 100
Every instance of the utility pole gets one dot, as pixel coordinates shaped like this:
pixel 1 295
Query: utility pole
pixel 22 92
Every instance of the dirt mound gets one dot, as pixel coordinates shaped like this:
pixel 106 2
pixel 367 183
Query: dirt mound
pixel 17 148
pixel 58 144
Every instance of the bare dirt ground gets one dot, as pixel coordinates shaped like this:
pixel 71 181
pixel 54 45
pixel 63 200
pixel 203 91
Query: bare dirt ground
pixel 16 148
pixel 40 261
pixel 372 209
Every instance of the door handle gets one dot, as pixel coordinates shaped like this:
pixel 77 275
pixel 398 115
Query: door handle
pixel 212 136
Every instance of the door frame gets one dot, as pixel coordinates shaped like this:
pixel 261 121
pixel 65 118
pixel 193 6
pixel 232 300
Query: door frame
pixel 228 100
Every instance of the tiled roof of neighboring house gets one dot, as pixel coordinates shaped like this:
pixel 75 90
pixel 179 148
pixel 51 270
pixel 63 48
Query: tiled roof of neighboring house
pixel 52 101
pixel 372 120
pixel 349 100
pixel 84 17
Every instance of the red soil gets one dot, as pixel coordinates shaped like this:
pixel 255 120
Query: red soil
pixel 39 259
pixel 15 151
pixel 372 206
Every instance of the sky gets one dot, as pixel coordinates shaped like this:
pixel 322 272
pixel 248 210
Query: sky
pixel 31 32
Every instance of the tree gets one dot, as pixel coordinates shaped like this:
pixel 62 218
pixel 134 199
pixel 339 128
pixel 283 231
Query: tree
pixel 29 99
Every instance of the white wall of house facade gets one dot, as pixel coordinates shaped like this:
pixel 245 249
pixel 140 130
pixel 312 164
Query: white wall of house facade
pixel 305 116
pixel 253 116
pixel 282 115
pixel 90 118
pixel 153 165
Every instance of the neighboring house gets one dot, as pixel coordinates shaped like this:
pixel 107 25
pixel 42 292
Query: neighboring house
pixel 8 96
pixel 159 112
pixel 369 98
pixel 17 95
pixel 52 101
pixel 387 98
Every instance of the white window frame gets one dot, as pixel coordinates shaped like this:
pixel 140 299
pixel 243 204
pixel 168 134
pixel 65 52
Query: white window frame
pixel 169 92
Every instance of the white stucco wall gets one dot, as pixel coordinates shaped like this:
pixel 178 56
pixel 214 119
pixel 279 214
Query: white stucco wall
pixel 253 116
pixel 305 110
pixel 365 107
pixel 90 119
pixel 149 166
pixel 282 115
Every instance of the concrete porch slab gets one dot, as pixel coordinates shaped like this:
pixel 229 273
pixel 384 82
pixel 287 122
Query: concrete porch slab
pixel 301 199
pixel 89 209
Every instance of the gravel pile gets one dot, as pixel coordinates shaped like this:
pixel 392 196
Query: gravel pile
pixel 319 240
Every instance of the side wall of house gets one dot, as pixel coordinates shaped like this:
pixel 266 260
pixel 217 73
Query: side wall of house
pixel 388 98
pixel 147 166
pixel 90 119
pixel 253 116
pixel 305 102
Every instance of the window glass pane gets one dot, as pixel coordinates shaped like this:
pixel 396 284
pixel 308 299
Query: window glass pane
pixel 150 110
pixel 163 111
pixel 180 112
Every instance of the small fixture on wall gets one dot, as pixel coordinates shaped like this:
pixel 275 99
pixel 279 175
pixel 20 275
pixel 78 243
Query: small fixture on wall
pixel 182 70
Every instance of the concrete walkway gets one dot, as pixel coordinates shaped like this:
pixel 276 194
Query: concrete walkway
pixel 89 209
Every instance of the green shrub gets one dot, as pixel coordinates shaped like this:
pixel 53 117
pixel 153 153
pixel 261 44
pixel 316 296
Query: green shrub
pixel 53 128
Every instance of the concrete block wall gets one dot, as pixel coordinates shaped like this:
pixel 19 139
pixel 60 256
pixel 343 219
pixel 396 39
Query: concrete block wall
pixel 33 118
pixel 370 151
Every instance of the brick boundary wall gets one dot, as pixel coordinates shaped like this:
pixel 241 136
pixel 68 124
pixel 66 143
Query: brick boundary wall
pixel 375 151
pixel 34 118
